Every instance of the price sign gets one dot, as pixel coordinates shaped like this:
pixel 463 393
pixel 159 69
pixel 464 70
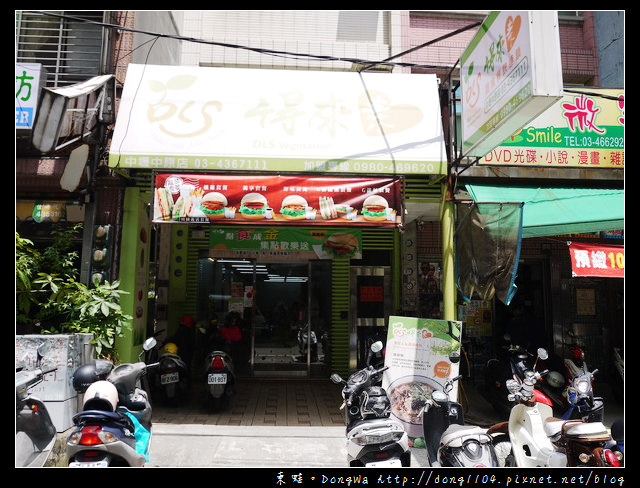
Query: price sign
pixel 596 260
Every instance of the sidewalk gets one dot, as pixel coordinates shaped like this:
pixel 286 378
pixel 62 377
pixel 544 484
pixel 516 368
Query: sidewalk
pixel 305 429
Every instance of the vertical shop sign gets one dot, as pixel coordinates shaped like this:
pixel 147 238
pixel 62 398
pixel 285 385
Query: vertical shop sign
pixel 418 353
pixel 510 73
pixel 30 78
pixel 596 260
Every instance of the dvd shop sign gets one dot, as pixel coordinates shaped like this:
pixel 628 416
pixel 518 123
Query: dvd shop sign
pixel 596 260
pixel 277 200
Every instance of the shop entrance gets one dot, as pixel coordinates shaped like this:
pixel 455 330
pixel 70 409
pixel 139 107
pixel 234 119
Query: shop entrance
pixel 282 304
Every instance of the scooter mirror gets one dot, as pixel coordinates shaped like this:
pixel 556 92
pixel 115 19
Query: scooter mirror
pixel 376 346
pixel 149 344
pixel 336 378
pixel 103 366
pixel 44 348
pixel 542 353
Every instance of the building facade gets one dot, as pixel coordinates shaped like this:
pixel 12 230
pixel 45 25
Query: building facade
pixel 345 302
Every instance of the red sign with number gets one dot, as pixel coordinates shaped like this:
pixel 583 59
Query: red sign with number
pixel 596 260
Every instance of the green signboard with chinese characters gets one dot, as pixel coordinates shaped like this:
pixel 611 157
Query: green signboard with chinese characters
pixel 281 243
pixel 585 129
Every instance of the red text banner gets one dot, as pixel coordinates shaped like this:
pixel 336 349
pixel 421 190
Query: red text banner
pixel 596 260
pixel 275 199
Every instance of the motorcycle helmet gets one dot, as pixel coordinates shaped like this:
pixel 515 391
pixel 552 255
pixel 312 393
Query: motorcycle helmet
pixel 169 348
pixel 90 373
pixel 101 395
pixel 555 379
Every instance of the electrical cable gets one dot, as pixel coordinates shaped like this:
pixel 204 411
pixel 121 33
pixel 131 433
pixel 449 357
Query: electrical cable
pixel 272 52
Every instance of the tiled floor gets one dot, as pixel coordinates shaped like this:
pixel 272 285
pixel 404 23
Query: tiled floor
pixel 262 401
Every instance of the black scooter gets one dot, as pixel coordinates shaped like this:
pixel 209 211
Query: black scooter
pixel 172 375
pixel 498 371
pixel 35 432
pixel 374 438
pixel 114 427
pixel 449 442
pixel 220 378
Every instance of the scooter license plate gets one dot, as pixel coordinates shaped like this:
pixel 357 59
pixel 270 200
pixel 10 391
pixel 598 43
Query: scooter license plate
pixel 168 378
pixel 217 379
pixel 93 464
pixel 389 463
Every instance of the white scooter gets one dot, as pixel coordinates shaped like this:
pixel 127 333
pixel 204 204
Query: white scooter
pixel 35 432
pixel 530 444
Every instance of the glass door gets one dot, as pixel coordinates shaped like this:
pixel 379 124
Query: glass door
pixel 280 318
pixel 286 311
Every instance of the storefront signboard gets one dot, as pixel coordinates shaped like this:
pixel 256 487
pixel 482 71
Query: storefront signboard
pixel 275 200
pixel 285 243
pixel 418 355
pixel 582 130
pixel 510 73
pixel 186 118
pixel 596 260
pixel 30 78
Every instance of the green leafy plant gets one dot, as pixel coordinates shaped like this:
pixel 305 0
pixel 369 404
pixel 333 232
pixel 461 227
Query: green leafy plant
pixel 49 295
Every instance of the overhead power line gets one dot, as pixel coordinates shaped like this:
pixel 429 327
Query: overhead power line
pixel 368 64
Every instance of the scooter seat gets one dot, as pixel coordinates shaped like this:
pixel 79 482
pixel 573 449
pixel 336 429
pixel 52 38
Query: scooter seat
pixel 457 434
pixel 576 429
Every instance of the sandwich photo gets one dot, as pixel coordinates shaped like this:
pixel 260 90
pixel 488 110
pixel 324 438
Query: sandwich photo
pixel 253 206
pixel 327 208
pixel 163 204
pixel 213 205
pixel 293 207
pixel 182 207
pixel 341 245
pixel 375 208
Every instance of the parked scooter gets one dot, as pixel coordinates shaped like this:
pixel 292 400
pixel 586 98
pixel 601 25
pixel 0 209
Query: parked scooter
pixel 580 400
pixel 35 432
pixel 114 428
pixel 449 442
pixel 374 438
pixel 172 374
pixel 220 377
pixel 571 392
pixel 584 443
pixel 530 444
pixel 303 344
pixel 498 372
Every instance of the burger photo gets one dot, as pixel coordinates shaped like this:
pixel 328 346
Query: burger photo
pixel 213 205
pixel 293 207
pixel 253 206
pixel 375 208
pixel 341 245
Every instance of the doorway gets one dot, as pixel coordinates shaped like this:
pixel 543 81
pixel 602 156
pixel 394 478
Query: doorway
pixel 282 304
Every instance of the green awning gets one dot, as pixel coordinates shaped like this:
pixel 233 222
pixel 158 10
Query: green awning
pixel 557 211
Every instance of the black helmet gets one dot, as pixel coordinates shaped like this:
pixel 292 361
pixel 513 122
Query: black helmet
pixel 85 375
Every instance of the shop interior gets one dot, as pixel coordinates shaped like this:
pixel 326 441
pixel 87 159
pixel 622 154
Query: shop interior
pixel 281 305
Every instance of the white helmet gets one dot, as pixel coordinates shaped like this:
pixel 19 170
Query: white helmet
pixel 555 379
pixel 101 395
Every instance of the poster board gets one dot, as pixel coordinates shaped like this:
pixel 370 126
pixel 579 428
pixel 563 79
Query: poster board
pixel 417 355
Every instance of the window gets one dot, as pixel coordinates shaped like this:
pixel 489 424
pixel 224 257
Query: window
pixel 67 47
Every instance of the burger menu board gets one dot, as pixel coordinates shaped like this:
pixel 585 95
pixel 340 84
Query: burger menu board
pixel 277 199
